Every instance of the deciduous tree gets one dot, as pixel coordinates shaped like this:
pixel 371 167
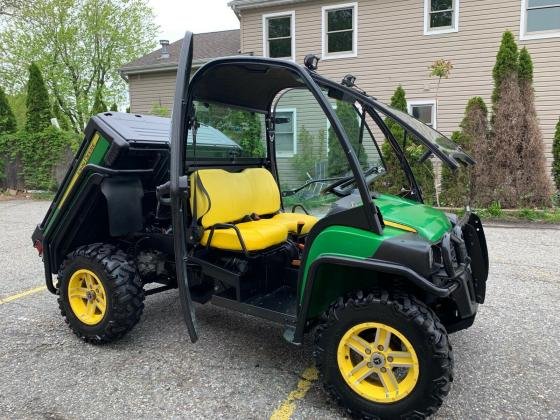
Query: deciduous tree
pixel 80 45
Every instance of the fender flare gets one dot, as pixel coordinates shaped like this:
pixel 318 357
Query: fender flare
pixel 370 264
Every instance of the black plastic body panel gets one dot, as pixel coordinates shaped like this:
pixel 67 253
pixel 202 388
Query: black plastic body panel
pixel 475 241
pixel 124 204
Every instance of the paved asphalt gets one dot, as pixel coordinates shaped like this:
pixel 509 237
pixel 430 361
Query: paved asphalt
pixel 507 364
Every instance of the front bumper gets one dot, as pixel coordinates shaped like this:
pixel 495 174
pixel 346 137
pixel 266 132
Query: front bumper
pixel 464 263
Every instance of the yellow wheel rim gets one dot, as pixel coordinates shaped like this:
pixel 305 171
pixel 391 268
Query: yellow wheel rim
pixel 378 362
pixel 87 297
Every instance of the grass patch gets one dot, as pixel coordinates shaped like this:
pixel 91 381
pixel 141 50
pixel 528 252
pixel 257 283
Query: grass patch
pixel 43 195
pixel 497 214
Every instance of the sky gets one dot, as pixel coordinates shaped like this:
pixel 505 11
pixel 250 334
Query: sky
pixel 174 17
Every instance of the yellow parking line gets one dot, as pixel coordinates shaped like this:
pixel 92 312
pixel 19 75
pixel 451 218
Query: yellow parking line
pixel 288 406
pixel 22 294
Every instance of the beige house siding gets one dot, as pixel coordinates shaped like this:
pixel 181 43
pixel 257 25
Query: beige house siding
pixel 149 89
pixel 393 50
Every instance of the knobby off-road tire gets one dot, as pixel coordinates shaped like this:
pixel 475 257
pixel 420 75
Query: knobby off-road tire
pixel 120 294
pixel 416 323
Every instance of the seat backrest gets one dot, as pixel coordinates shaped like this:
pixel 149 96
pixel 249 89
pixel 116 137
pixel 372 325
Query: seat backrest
pixel 265 197
pixel 225 197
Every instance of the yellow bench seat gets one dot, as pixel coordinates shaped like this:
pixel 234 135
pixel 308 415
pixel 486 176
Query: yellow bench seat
pixel 220 197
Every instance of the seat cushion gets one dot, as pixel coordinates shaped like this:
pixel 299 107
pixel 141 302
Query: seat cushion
pixel 291 220
pixel 257 235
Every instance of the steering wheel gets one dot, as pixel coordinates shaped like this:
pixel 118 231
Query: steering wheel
pixel 339 187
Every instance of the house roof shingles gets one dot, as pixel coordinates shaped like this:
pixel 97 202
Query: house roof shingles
pixel 206 46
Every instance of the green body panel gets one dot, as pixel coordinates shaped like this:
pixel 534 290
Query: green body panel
pixel 430 223
pixel 95 157
pixel 344 241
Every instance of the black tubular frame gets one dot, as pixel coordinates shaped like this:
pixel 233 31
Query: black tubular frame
pixel 227 226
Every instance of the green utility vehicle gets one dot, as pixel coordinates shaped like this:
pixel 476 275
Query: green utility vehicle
pixel 200 203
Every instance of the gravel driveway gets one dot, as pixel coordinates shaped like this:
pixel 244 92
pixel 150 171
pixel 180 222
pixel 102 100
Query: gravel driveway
pixel 506 364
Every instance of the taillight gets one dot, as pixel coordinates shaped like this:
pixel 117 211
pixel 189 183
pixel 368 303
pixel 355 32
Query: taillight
pixel 38 245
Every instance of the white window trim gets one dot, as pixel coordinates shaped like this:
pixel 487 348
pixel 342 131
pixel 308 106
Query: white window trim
pixel 432 102
pixel 292 15
pixel 295 140
pixel 429 31
pixel 354 53
pixel 523 35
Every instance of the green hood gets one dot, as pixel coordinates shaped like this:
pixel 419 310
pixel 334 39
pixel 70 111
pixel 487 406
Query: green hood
pixel 430 223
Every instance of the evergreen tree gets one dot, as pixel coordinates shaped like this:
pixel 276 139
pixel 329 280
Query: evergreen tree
pixel 533 187
pixel 114 107
pixel 98 105
pixel 506 63
pixel 507 126
pixel 464 185
pixel 556 156
pixel 395 179
pixel 38 105
pixel 337 160
pixel 8 123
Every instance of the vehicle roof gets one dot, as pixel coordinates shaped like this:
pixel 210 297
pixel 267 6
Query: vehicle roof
pixel 245 82
pixel 137 128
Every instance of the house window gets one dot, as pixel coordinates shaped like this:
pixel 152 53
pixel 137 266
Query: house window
pixel 441 16
pixel 279 35
pixel 423 110
pixel 540 19
pixel 340 30
pixel 285 132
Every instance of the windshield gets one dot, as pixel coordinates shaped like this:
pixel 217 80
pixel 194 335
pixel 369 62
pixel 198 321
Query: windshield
pixel 440 145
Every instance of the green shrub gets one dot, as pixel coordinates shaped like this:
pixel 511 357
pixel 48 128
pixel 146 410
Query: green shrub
pixel 495 209
pixel 160 110
pixel 38 105
pixel 39 153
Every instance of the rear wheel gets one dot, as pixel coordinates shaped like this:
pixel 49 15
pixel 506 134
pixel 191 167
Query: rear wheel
pixel 384 356
pixel 100 295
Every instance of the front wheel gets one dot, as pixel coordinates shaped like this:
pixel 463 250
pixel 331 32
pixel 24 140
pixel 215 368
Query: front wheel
pixel 384 356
